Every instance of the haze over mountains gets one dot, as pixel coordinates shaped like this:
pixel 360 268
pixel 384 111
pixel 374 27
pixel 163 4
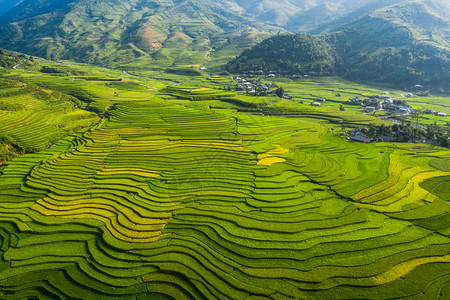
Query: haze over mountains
pixel 6 5
pixel 306 15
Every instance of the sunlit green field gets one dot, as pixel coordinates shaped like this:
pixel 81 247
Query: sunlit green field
pixel 145 190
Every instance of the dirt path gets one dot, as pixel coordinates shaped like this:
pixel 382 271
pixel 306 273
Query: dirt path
pixel 207 43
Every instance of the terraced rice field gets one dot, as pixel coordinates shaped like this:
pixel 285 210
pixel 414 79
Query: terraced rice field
pixel 161 200
pixel 39 121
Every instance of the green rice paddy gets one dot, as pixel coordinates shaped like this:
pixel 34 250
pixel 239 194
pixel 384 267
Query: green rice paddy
pixel 182 193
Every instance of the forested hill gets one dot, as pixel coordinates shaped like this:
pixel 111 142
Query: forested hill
pixel 295 53
pixel 10 59
pixel 403 44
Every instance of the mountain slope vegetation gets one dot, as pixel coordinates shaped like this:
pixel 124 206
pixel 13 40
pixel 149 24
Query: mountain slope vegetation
pixel 118 31
pixel 402 44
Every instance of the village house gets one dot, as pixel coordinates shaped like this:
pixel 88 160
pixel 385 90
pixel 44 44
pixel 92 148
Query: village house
pixel 239 87
pixel 404 109
pixel 354 101
pixel 388 101
pixel 360 138
pixel 371 102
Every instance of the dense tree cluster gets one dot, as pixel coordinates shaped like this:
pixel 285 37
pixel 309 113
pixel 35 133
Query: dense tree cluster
pixel 292 54
pixel 10 148
pixel 9 59
pixel 407 133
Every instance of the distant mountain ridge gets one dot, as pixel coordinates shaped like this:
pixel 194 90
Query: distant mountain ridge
pixel 403 43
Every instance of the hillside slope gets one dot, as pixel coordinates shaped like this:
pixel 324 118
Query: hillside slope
pixel 118 31
pixel 403 43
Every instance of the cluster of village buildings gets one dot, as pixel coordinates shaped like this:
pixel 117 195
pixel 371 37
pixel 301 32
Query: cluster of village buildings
pixel 436 113
pixel 385 102
pixel 254 87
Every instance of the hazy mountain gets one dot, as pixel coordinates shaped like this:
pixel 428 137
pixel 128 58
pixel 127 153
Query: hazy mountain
pixel 325 15
pixel 415 13
pixel 274 12
pixel 318 15
pixel 299 15
pixel 397 25
pixel 404 42
pixel 6 5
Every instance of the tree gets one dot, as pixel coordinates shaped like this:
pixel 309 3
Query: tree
pixel 280 92
pixel 395 128
pixel 372 131
pixel 342 107
pixel 416 115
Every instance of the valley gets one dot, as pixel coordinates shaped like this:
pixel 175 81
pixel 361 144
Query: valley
pixel 181 191
pixel 189 150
